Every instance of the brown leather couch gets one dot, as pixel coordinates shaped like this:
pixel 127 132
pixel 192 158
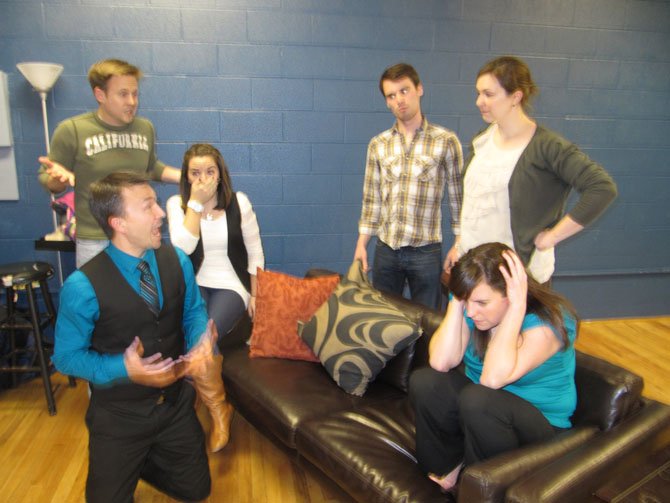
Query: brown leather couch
pixel 366 444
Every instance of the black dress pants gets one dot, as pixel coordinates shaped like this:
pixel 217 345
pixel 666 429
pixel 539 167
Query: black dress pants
pixel 163 445
pixel 460 421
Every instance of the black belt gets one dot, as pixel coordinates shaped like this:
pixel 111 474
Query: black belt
pixel 169 394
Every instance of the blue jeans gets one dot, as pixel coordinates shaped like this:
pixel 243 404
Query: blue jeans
pixel 419 267
pixel 223 306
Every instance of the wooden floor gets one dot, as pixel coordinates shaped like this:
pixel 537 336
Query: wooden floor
pixel 44 458
pixel 642 345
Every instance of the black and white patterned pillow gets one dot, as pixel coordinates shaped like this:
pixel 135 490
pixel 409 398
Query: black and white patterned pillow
pixel 357 331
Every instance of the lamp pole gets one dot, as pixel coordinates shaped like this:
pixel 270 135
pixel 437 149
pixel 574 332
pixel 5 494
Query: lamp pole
pixel 54 220
pixel 43 76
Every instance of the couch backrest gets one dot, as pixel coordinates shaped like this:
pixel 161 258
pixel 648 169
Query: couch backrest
pixel 398 370
pixel 429 323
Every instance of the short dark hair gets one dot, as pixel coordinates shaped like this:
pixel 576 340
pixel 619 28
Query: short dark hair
pixel 106 199
pixel 224 191
pixel 101 71
pixel 513 75
pixel 397 72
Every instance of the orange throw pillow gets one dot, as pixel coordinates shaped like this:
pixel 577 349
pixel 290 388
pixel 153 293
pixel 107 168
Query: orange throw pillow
pixel 281 301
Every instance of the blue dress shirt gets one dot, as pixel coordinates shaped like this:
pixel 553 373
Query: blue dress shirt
pixel 79 311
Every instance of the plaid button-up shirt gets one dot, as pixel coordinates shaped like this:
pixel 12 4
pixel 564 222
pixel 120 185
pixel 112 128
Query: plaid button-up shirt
pixel 404 186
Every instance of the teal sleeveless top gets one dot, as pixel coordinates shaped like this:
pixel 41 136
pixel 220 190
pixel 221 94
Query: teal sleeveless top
pixel 549 387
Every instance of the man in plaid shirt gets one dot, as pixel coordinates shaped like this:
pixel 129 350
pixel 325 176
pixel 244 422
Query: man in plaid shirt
pixel 407 167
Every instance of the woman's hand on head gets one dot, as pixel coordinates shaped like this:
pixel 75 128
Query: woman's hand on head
pixel 516 279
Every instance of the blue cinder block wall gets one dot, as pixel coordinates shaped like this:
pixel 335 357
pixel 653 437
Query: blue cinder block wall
pixel 287 89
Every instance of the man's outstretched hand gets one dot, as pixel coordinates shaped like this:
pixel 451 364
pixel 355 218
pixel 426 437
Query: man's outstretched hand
pixel 152 370
pixel 58 173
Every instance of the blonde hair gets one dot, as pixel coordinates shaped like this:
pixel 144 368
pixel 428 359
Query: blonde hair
pixel 100 72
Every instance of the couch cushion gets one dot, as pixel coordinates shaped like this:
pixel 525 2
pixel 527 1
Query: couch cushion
pixel 369 452
pixel 357 331
pixel 282 300
pixel 276 395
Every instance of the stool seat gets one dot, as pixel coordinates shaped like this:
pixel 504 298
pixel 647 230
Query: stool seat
pixel 22 273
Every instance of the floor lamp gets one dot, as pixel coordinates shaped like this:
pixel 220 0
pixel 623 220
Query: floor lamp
pixel 43 76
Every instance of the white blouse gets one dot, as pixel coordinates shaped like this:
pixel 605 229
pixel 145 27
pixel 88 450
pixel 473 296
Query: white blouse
pixel 216 270
pixel 485 215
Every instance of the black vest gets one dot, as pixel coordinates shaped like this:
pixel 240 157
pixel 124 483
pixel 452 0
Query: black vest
pixel 237 251
pixel 124 315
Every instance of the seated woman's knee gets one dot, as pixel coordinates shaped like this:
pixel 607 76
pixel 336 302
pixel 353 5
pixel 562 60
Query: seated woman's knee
pixel 475 399
pixel 424 382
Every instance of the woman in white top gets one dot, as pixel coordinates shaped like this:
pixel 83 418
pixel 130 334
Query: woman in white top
pixel 519 174
pixel 218 229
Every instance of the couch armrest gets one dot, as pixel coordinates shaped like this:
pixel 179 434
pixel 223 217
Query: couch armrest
pixel 488 480
pixel 581 472
pixel 606 393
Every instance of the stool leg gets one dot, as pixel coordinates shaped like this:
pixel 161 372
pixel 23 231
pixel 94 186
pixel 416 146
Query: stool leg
pixel 11 308
pixel 44 286
pixel 46 294
pixel 46 379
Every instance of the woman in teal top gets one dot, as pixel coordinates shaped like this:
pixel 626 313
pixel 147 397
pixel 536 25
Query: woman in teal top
pixel 515 338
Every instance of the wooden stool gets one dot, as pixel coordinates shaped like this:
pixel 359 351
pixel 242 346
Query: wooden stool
pixel 22 275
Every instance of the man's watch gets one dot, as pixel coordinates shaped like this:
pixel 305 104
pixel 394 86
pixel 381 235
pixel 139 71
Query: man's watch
pixel 195 206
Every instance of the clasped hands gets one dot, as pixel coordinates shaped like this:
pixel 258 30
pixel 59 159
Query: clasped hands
pixel 158 372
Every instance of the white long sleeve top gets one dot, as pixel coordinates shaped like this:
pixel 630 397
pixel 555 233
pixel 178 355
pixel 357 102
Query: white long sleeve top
pixel 216 270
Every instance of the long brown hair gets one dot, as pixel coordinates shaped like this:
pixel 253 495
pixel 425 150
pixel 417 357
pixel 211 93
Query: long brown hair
pixel 224 191
pixel 481 264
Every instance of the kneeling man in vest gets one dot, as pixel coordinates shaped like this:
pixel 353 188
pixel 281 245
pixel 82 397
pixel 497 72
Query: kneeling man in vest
pixel 125 319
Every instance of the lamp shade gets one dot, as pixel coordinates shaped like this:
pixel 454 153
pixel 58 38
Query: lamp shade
pixel 42 76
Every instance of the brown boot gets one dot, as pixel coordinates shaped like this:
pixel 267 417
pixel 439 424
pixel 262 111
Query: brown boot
pixel 212 393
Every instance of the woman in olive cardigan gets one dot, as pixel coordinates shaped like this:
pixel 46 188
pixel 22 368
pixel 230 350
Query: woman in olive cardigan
pixel 519 174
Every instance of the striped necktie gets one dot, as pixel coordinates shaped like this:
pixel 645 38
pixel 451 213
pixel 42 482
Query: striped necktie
pixel 148 289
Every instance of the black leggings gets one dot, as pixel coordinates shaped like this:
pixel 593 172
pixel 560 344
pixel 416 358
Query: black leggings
pixel 460 421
